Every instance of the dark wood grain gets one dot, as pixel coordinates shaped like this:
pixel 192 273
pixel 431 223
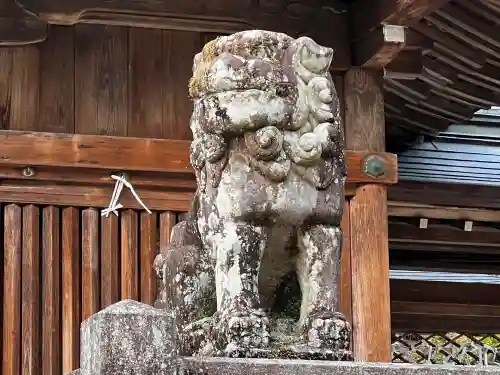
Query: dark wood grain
pixel 30 309
pixel 90 263
pixel 57 81
pixel 129 255
pixel 18 27
pixel 71 289
pixel 146 81
pixel 148 252
pixel 179 48
pixel 366 16
pixel 294 18
pixel 110 260
pixel 51 292
pixel 19 88
pixel 101 80
pixel 11 356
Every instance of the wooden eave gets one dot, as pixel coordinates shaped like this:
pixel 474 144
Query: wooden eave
pixel 441 58
pixel 460 75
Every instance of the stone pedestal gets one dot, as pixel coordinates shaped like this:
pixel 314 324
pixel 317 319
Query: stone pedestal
pixel 226 366
pixel 129 337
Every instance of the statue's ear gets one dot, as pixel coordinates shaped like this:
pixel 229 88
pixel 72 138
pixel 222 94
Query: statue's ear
pixel 312 56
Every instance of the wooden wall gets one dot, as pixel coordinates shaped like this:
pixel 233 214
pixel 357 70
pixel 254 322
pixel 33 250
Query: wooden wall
pixel 101 80
pixel 60 266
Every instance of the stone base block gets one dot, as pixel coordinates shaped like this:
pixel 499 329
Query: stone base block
pixel 226 366
pixel 129 337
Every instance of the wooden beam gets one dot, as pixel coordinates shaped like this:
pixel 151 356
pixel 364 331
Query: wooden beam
pixel 97 155
pixel 364 118
pixel 443 234
pixel 406 65
pixel 368 15
pixel 474 196
pixel 440 306
pixel 17 27
pixel 213 16
pixel 380 47
pixel 409 209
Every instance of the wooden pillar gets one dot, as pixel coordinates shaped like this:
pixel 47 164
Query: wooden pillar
pixel 365 131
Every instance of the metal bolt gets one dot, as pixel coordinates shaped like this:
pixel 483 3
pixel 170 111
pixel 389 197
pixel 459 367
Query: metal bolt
pixel 374 166
pixel 29 172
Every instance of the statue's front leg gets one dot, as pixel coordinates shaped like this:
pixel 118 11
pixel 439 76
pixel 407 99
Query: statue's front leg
pixel 242 329
pixel 325 328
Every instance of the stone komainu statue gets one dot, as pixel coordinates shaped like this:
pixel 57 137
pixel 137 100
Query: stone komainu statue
pixel 270 168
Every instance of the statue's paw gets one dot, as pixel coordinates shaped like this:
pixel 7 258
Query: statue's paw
pixel 329 331
pixel 246 335
pixel 197 338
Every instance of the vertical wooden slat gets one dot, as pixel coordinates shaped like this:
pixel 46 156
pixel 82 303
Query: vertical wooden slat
pixel 345 266
pixel 167 222
pixel 110 261
pixel 90 262
pixel 24 88
pixel 51 293
pixel 30 310
pixel 71 276
pixel 5 87
pixel 145 83
pixel 365 127
pixel 57 81
pixel 177 108
pixel 147 257
pixel 101 80
pixel 12 291
pixel 129 256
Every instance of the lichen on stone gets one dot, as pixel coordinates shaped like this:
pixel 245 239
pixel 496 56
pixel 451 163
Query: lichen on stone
pixel 268 157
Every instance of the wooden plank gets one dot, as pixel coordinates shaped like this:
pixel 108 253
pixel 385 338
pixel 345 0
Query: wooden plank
pixel 215 16
pixel 21 31
pixel 24 83
pixel 57 81
pixel 5 87
pixel 129 256
pixel 366 16
pixel 100 177
pixel 443 235
pixel 89 196
pixel 177 106
pixel 380 47
pixel 51 293
pixel 110 261
pixel 157 155
pixel 148 252
pixel 450 310
pixel 167 222
pixel 409 209
pixel 90 262
pixel 30 309
pixel 368 218
pixel 12 290
pixel 145 83
pixel 18 27
pixel 101 85
pixel 345 266
pixel 406 65
pixel 101 152
pixel 71 283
